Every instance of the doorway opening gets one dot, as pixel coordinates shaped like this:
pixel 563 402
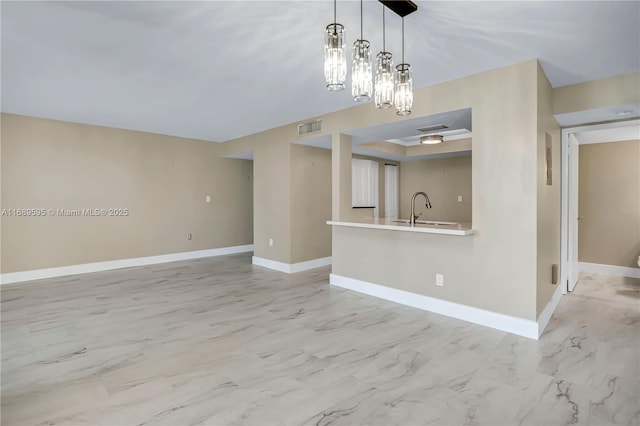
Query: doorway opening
pixel 600 201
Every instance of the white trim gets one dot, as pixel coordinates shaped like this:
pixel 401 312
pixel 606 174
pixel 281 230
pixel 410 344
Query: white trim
pixel 510 324
pixel 271 264
pixel 613 125
pixel 291 268
pixel 311 264
pixel 617 271
pixel 547 312
pixel 564 264
pixel 564 211
pixel 84 268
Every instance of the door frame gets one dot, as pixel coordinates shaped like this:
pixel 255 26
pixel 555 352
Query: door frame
pixel 566 170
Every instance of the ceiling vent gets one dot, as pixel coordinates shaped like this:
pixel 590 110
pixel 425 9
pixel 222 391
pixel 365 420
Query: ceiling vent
pixel 433 128
pixel 310 127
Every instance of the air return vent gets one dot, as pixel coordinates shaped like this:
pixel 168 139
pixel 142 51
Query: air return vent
pixel 310 127
pixel 433 128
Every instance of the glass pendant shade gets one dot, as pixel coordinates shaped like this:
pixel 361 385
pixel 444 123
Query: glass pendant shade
pixel 384 80
pixel 361 72
pixel 403 97
pixel 335 62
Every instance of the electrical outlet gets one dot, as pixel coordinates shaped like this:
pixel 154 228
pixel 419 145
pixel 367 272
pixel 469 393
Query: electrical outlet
pixel 270 242
pixel 459 198
pixel 440 280
pixel 188 236
pixel 207 199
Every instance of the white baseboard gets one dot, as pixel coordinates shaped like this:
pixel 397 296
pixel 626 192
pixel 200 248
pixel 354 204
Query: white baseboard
pixel 291 268
pixel 617 271
pixel 311 264
pixel 547 312
pixel 38 274
pixel 510 324
pixel 271 264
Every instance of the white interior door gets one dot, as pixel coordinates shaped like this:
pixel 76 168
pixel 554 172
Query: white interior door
pixel 573 215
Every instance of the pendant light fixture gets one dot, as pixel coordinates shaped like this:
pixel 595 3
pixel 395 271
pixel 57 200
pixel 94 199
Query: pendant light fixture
pixel 403 97
pixel 361 75
pixel 335 62
pixel 384 80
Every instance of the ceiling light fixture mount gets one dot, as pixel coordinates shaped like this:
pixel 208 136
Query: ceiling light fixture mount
pixel 401 8
pixel 431 139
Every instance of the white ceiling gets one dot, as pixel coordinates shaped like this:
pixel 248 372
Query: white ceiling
pixel 404 132
pixel 399 131
pixel 218 70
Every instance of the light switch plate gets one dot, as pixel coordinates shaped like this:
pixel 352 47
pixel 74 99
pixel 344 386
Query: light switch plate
pixel 207 198
pixel 459 198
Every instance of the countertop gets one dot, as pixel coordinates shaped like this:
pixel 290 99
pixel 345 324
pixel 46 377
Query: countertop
pixel 390 225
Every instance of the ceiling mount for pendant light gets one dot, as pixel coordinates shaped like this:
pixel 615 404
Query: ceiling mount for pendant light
pixel 384 79
pixel 431 139
pixel 361 76
pixel 335 62
pixel 401 8
pixel 403 97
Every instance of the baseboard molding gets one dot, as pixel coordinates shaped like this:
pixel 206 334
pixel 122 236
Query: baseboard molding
pixel 38 274
pixel 311 264
pixel 547 312
pixel 291 268
pixel 510 324
pixel 618 271
pixel 271 264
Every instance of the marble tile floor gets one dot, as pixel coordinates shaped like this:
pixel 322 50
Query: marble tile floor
pixel 616 289
pixel 218 341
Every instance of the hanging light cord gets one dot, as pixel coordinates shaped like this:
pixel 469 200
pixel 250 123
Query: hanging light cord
pixel 403 39
pixel 384 36
pixel 335 19
pixel 361 37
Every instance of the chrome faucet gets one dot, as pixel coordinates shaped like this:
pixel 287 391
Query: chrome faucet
pixel 413 217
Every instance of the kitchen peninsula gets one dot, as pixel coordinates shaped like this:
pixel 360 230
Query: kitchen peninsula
pixel 427 266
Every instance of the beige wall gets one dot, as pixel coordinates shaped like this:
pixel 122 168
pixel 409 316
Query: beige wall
pixel 162 180
pixel 609 202
pixel 341 177
pixel 443 180
pixel 496 268
pixel 272 188
pixel 501 265
pixel 272 202
pixel 549 196
pixel 311 206
pixel 611 91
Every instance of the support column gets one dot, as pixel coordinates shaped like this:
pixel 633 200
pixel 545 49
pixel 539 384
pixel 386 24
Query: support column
pixel 340 176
